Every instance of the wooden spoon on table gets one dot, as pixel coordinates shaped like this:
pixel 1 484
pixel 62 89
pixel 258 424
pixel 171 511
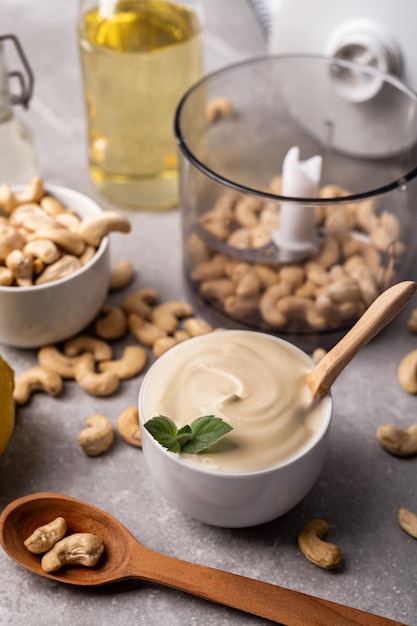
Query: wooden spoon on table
pixel 375 318
pixel 125 558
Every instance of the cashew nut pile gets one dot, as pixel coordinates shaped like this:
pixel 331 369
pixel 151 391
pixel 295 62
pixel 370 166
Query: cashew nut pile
pixel 89 359
pixel 357 260
pixel 75 549
pixel 42 241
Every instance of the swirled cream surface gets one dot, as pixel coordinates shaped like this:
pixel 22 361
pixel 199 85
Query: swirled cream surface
pixel 255 382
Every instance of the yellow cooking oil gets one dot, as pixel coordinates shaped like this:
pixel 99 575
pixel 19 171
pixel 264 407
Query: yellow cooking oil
pixel 137 62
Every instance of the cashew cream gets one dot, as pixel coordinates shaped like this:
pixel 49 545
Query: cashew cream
pixel 253 381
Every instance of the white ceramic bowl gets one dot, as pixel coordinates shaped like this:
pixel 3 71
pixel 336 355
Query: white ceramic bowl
pixel 223 498
pixel 41 314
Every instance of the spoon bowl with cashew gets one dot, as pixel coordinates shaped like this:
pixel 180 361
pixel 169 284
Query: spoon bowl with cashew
pixel 125 558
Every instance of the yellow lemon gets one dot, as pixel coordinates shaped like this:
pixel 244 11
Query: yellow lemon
pixel 6 404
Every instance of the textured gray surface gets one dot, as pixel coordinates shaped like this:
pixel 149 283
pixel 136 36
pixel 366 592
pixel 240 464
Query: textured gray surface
pixel 359 491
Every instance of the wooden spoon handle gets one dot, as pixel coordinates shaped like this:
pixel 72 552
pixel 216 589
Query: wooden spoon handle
pixel 378 315
pixel 287 607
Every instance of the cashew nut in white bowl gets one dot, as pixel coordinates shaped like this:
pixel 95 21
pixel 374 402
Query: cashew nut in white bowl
pixel 94 228
pixel 48 313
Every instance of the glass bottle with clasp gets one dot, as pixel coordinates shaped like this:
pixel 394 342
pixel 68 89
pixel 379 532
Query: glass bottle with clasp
pixel 17 154
pixel 138 58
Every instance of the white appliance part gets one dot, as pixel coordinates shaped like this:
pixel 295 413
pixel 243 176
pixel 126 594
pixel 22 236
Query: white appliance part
pixel 378 34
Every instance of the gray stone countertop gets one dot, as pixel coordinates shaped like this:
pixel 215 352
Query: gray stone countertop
pixel 359 490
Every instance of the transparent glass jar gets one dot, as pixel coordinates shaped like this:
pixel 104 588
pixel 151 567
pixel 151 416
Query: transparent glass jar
pixel 17 153
pixel 234 130
pixel 138 58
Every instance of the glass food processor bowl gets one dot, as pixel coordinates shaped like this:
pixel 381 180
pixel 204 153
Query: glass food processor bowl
pixel 298 192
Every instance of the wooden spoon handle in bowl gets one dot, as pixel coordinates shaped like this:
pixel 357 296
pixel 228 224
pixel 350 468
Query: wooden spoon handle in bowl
pixel 375 318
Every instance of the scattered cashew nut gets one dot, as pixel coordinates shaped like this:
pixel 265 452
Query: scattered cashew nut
pixel 95 383
pixel 397 441
pixel 318 354
pixel 319 552
pixel 128 426
pixel 139 302
pixel 112 324
pixel 98 436
pixel 101 350
pixel 53 359
pixel 145 332
pixel 167 314
pixel 162 344
pixel 408 521
pixel 76 549
pixel 121 276
pixel 44 537
pixel 196 326
pixel 131 363
pixel 36 378
pixel 407 372
pixel 412 321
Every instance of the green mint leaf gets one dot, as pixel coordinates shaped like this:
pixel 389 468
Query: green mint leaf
pixel 185 430
pixel 206 431
pixel 193 438
pixel 184 435
pixel 164 431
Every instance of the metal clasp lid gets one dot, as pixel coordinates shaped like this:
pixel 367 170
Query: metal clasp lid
pixel 25 82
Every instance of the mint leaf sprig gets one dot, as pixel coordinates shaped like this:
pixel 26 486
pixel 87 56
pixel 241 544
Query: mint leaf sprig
pixel 191 438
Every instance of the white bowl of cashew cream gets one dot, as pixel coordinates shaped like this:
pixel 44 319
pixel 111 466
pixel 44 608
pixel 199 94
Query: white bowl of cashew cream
pixel 39 314
pixel 273 456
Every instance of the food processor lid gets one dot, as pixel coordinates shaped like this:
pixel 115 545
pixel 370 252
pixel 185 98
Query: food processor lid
pixel 387 26
pixel 375 35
